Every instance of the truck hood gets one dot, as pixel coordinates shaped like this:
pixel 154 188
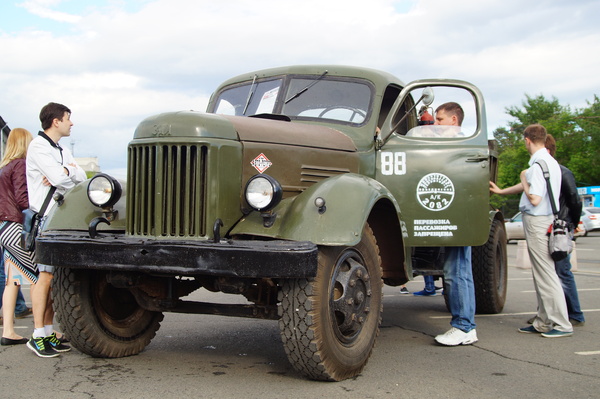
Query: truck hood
pixel 260 130
pixel 245 129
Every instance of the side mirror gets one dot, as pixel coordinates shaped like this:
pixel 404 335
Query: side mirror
pixel 427 96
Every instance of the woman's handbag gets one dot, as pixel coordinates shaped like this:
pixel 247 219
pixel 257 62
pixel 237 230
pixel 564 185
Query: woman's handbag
pixel 560 237
pixel 31 223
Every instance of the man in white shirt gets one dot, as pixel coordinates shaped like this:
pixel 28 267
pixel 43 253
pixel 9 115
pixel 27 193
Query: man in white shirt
pixel 49 165
pixel 552 320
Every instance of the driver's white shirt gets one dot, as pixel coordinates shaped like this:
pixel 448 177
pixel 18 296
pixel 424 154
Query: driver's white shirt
pixel 445 131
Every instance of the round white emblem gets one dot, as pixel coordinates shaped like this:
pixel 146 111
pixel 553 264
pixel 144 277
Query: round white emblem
pixel 435 191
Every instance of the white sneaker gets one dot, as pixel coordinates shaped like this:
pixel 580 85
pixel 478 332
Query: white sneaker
pixel 454 337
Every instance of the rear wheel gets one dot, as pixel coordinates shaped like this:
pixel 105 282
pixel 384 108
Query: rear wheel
pixel 490 271
pixel 100 319
pixel 329 324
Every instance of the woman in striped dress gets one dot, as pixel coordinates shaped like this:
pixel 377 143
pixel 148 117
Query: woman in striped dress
pixel 19 266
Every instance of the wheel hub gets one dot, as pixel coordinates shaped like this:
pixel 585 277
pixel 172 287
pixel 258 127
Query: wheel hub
pixel 351 296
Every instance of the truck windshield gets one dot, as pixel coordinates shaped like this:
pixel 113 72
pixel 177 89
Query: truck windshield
pixel 334 99
pixel 329 98
pixel 257 98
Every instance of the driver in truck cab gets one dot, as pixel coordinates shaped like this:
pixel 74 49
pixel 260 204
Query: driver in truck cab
pixel 458 274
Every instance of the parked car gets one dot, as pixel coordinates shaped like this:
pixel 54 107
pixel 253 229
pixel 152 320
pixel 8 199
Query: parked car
pixel 582 230
pixel 514 228
pixel 591 219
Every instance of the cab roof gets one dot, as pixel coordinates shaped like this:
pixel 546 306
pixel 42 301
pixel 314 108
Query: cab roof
pixel 379 78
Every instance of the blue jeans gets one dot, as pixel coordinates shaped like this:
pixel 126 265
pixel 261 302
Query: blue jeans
pixel 460 289
pixel 563 269
pixel 429 283
pixel 21 306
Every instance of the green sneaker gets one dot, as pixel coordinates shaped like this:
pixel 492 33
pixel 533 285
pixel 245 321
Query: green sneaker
pixel 529 330
pixel 39 347
pixel 557 334
pixel 55 343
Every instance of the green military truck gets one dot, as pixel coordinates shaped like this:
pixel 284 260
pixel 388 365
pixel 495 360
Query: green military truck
pixel 304 189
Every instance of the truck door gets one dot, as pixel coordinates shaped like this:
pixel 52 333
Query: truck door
pixel 438 174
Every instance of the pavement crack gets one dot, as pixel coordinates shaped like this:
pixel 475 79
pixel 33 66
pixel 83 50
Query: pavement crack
pixel 595 377
pixel 480 347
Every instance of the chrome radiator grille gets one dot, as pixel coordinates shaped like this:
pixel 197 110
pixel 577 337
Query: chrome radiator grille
pixel 166 190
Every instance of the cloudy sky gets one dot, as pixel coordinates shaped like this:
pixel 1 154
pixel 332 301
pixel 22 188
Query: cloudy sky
pixel 115 62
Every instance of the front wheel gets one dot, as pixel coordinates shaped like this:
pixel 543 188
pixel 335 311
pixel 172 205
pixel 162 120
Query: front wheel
pixel 100 319
pixel 329 324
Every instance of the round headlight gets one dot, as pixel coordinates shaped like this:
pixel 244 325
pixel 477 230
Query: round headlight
pixel 104 190
pixel 263 192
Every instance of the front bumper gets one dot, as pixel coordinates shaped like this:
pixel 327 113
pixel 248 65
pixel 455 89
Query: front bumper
pixel 232 258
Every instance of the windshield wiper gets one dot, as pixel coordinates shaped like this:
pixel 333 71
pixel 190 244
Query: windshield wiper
pixel 298 94
pixel 250 94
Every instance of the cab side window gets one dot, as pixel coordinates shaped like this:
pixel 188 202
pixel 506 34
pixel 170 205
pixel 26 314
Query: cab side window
pixel 452 115
pixel 389 97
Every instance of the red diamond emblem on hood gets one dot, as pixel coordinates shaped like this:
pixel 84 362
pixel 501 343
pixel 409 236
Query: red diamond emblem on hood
pixel 261 163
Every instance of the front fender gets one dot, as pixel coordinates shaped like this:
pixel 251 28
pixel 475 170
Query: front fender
pixel 349 199
pixel 77 211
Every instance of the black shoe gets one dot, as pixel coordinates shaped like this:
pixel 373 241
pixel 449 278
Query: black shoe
pixel 25 313
pixel 39 347
pixel 577 323
pixel 9 341
pixel 55 343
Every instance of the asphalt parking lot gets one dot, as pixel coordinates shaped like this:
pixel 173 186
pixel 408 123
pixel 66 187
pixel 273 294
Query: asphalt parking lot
pixel 206 356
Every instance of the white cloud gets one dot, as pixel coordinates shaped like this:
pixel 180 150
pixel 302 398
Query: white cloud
pixel 43 9
pixel 114 66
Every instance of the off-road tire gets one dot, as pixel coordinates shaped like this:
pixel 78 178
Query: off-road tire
pixel 100 319
pixel 490 271
pixel 329 324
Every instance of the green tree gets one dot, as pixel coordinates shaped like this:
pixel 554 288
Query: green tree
pixel 577 136
pixel 582 152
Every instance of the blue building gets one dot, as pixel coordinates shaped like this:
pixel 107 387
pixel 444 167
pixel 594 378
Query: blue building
pixel 590 195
